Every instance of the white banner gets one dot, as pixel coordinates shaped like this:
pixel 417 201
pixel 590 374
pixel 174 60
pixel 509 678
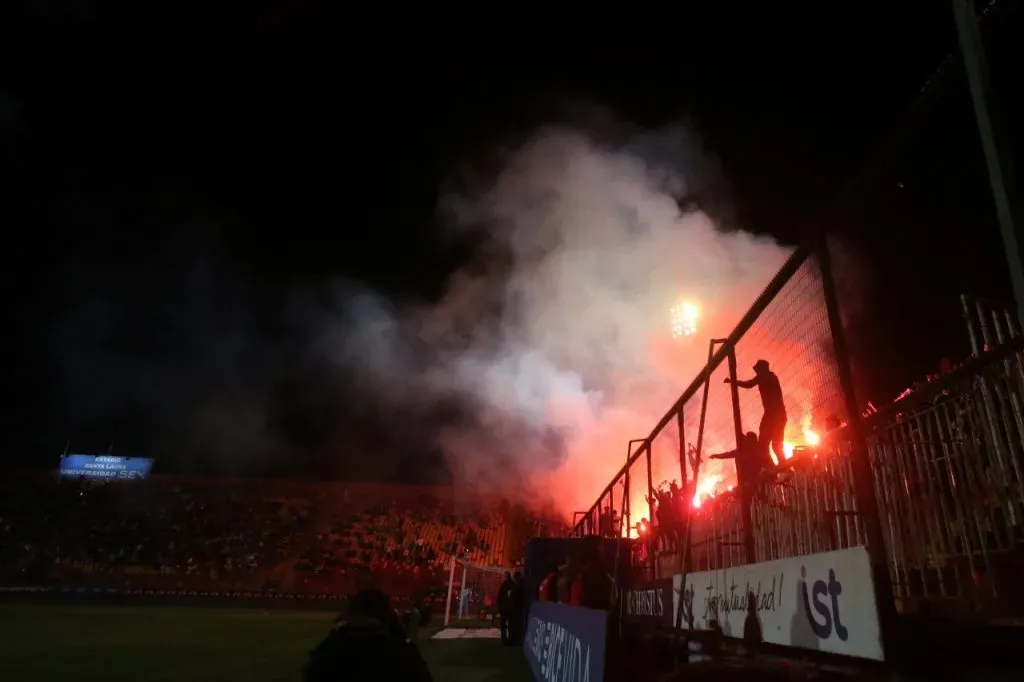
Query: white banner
pixel 823 602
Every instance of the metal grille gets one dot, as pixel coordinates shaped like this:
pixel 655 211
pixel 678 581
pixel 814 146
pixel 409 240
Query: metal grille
pixel 810 506
pixel 946 462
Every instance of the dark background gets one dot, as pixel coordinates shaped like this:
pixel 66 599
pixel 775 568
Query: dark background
pixel 273 134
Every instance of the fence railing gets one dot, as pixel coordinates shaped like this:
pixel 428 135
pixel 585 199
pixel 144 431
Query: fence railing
pixel 939 500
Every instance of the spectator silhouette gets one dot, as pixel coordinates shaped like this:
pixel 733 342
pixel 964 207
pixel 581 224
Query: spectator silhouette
pixel 517 616
pixel 753 633
pixel 566 576
pixel 748 464
pixel 772 431
pixel 367 642
pixel 506 595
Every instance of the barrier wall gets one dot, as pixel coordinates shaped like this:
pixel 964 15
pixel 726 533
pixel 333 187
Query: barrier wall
pixel 821 602
pixel 566 642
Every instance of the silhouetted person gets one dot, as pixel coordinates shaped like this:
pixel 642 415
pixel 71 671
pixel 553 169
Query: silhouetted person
pixel 517 617
pixel 773 422
pixel 593 587
pixel 748 461
pixel 548 589
pixel 566 576
pixel 753 633
pixel 505 594
pixel 367 642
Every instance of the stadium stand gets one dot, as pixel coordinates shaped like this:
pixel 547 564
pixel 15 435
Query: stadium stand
pixel 178 533
pixel 399 547
pixel 175 533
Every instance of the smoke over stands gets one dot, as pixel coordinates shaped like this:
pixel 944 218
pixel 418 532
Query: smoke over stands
pixel 585 311
pixel 560 337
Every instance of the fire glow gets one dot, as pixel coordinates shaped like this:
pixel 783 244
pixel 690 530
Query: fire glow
pixel 811 439
pixel 710 485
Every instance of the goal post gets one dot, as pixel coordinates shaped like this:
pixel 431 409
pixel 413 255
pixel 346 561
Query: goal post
pixel 472 591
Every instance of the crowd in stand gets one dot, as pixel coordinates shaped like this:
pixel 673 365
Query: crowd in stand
pixel 122 533
pixel 399 546
pixel 196 534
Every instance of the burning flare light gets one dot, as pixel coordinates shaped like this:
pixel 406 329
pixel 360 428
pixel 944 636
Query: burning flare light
pixel 706 488
pixel 684 319
pixel 710 484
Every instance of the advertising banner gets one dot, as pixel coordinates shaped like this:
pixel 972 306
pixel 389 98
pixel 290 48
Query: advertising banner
pixel 649 603
pixel 105 466
pixel 824 602
pixel 565 642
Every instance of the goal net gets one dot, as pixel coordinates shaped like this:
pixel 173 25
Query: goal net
pixel 472 591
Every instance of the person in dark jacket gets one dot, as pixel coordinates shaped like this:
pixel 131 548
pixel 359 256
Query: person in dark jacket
pixel 773 420
pixel 748 463
pixel 593 588
pixel 367 642
pixel 548 589
pixel 505 595
pixel 517 617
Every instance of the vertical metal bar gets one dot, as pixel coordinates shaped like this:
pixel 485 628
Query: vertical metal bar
pixel 973 50
pixel 465 570
pixel 916 538
pixel 977 482
pixel 972 334
pixel 682 449
pixel 864 485
pixel 1004 457
pixel 650 503
pixel 1012 386
pixel 889 469
pixel 952 512
pixel 451 585
pixel 1011 324
pixel 747 527
pixel 681 427
pixel 627 516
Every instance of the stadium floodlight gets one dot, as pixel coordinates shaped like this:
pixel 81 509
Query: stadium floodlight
pixel 684 317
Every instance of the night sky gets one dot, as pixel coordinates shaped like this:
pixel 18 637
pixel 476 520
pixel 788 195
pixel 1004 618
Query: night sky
pixel 231 156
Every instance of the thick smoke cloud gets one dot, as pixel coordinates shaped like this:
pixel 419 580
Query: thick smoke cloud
pixel 556 341
pixel 545 354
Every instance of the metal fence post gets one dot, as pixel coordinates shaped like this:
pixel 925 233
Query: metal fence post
pixel 745 492
pixel 682 450
pixel 863 477
pixel 650 505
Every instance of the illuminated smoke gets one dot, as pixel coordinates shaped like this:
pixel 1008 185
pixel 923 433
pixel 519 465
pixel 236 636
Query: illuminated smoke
pixel 557 337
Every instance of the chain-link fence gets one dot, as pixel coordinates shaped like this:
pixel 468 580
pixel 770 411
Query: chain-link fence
pixel 945 464
pixel 685 472
pixel 934 484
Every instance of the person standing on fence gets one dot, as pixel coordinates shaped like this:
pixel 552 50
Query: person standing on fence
pixel 773 421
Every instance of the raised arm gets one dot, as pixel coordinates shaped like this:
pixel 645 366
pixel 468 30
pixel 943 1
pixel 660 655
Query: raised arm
pixel 749 383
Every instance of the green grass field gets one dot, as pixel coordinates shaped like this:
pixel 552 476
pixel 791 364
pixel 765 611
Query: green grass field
pixel 117 644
